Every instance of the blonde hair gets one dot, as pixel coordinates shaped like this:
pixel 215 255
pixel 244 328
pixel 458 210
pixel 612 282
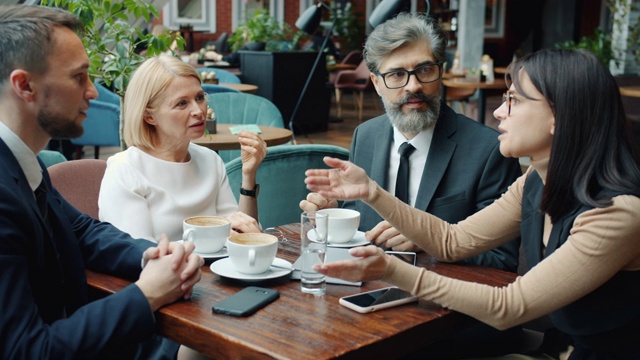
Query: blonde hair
pixel 144 94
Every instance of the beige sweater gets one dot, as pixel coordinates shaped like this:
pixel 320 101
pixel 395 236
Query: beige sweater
pixel 603 241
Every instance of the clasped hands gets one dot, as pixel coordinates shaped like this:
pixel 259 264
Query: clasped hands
pixel 170 270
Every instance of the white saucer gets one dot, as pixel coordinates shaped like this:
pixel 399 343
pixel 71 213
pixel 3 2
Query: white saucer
pixel 220 254
pixel 358 240
pixel 225 268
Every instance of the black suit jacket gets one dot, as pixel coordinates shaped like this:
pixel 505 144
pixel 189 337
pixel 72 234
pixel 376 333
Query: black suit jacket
pixel 464 172
pixel 43 290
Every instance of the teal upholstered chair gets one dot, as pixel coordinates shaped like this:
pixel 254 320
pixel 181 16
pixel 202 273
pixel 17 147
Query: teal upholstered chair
pixel 101 127
pixel 241 108
pixel 215 89
pixel 106 95
pixel 281 178
pixel 51 157
pixel 223 76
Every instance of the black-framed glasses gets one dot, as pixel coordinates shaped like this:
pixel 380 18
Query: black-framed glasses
pixel 507 97
pixel 400 78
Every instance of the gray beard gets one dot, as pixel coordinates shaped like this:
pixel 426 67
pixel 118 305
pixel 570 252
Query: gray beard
pixel 415 120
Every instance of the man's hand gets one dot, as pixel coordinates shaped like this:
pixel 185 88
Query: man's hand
pixel 389 237
pixel 170 271
pixel 315 202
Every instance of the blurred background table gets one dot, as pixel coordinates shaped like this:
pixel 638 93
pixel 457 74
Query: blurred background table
pixel 223 139
pixel 481 86
pixel 245 88
pixel 632 91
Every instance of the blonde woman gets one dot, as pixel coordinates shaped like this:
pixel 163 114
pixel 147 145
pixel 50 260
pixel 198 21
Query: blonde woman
pixel 163 178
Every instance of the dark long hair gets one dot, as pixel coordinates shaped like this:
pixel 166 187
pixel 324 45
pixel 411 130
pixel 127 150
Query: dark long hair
pixel 592 149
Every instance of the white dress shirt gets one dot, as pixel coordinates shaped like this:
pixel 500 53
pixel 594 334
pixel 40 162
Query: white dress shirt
pixel 417 159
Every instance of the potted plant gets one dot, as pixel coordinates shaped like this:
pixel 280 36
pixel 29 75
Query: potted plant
pixel 111 41
pixel 260 29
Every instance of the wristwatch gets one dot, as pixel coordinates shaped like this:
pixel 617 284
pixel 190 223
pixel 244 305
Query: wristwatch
pixel 253 192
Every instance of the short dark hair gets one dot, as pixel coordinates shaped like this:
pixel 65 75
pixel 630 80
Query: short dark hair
pixel 592 149
pixel 26 40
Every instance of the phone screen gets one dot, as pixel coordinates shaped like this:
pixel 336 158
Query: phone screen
pixel 406 256
pixel 377 297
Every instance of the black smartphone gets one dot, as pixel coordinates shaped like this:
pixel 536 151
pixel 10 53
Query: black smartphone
pixel 377 299
pixel 246 301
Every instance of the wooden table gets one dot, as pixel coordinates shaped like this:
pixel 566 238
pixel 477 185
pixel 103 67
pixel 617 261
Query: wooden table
pixel 481 86
pixel 225 140
pixel 245 88
pixel 632 91
pixel 301 326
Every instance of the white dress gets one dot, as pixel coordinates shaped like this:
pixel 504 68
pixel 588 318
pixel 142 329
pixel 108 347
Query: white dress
pixel 146 196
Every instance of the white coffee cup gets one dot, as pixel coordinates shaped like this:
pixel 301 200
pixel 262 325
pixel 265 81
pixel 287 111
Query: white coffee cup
pixel 343 224
pixel 208 233
pixel 252 253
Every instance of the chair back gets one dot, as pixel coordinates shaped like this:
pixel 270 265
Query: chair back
pixel 242 108
pixel 281 178
pixel 357 79
pixel 222 43
pixel 51 157
pixel 102 127
pixel 354 57
pixel 79 182
pixel 106 95
pixel 223 76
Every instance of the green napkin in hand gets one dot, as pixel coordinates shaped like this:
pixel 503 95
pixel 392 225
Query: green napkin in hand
pixel 251 127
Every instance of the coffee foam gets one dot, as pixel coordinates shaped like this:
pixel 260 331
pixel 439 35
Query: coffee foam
pixel 206 221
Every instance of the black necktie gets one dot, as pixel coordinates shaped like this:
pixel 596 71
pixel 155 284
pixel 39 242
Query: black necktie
pixel 402 183
pixel 41 198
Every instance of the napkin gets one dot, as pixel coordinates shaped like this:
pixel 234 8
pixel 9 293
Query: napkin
pixel 251 127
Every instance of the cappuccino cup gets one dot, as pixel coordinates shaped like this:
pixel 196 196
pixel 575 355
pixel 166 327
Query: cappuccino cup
pixel 252 253
pixel 343 224
pixel 208 233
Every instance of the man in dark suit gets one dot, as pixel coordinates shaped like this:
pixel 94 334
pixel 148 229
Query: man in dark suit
pixel 454 169
pixel 45 243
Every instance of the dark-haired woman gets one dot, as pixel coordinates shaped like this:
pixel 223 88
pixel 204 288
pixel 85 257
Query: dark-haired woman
pixel 577 210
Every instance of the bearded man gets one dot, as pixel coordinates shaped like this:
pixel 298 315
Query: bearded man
pixel 454 170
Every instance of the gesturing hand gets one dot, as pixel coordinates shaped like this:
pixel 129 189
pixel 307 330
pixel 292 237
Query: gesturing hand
pixel 345 181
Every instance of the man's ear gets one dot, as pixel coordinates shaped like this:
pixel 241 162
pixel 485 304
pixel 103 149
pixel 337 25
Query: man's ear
pixel 20 82
pixel 374 80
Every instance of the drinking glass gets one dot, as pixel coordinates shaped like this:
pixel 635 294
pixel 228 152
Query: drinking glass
pixel 313 248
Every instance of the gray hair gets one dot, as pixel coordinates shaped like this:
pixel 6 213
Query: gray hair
pixel 26 40
pixel 402 30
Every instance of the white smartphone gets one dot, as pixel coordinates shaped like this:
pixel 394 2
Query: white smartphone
pixel 370 301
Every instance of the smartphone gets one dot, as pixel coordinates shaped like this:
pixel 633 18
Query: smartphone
pixel 370 301
pixel 406 256
pixel 246 301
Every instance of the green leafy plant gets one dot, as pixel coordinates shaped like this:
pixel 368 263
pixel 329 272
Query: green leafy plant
pixel 599 44
pixel 112 42
pixel 261 27
pixel 349 28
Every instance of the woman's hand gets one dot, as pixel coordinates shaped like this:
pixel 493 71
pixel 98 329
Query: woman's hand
pixel 345 181
pixel 371 265
pixel 243 223
pixel 252 151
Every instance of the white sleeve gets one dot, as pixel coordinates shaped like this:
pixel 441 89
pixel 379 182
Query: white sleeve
pixel 122 201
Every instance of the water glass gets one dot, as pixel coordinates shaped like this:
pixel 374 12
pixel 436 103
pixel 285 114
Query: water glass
pixel 313 248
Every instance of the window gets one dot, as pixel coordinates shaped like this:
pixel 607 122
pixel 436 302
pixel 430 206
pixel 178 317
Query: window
pixel 201 14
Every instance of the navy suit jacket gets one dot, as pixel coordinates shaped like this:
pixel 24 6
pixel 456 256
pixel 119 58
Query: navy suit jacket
pixel 464 172
pixel 43 290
